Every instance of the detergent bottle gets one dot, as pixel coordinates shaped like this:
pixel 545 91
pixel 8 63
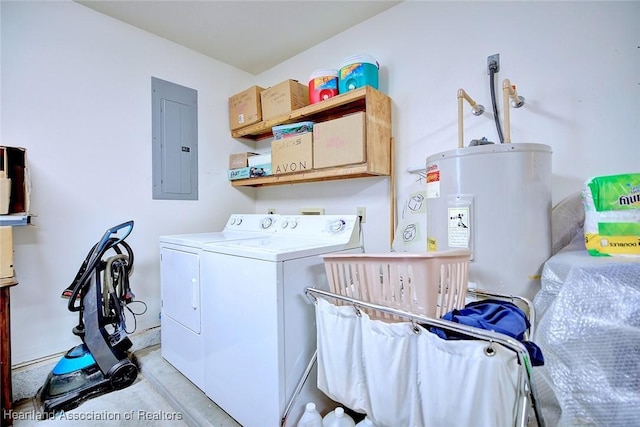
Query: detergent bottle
pixel 366 423
pixel 310 417
pixel 337 418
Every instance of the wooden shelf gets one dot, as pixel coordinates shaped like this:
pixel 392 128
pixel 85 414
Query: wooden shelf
pixel 8 281
pixel 329 174
pixel 377 108
pixel 337 106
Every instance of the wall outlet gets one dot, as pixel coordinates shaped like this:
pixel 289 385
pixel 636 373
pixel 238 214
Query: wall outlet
pixel 362 214
pixel 493 60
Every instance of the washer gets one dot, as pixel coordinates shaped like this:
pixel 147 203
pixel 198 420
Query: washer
pixel 260 326
pixel 181 329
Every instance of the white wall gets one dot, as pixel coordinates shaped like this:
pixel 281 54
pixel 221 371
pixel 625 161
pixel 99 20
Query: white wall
pixel 76 94
pixel 576 63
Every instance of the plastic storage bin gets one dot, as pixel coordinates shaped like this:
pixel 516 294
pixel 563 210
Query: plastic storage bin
pixel 429 284
pixel 358 71
pixel 323 84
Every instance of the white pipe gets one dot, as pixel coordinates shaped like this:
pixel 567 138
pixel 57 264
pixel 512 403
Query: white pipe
pixel 416 169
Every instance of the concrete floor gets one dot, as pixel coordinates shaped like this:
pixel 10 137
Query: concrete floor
pixel 160 396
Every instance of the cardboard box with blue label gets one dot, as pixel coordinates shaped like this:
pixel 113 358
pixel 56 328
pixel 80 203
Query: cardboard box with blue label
pixel 249 172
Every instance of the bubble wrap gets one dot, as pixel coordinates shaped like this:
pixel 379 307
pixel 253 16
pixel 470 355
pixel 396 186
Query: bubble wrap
pixel 567 221
pixel 588 328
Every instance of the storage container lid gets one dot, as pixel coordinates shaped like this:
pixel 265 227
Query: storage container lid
pixel 323 73
pixel 359 59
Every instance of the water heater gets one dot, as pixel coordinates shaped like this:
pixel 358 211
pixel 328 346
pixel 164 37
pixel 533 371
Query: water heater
pixel 495 200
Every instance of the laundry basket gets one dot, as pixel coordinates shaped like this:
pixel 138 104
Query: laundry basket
pixel 429 284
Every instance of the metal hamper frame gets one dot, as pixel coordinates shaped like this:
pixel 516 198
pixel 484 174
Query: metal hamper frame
pixel 527 395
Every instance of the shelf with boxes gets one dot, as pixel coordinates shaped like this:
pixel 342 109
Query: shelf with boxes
pixel 352 138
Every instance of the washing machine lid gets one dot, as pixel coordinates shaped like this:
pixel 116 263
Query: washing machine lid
pixel 239 226
pixel 272 248
pixel 199 239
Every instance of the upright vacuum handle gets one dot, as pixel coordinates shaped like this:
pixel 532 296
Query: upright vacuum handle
pixel 111 231
pixel 107 242
pixel 93 258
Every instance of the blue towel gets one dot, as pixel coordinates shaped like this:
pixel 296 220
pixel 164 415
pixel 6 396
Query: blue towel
pixel 498 316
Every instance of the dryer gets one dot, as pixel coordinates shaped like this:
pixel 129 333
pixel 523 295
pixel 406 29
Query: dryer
pixel 260 327
pixel 181 332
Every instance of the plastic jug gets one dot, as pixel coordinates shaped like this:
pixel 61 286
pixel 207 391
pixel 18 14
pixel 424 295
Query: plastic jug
pixel 357 71
pixel 323 84
pixel 310 417
pixel 366 423
pixel 337 418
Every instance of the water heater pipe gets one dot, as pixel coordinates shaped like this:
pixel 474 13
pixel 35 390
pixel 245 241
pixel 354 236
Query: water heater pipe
pixel 477 110
pixel 509 92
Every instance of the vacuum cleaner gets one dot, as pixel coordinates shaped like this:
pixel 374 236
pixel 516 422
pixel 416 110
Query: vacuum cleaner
pixel 100 293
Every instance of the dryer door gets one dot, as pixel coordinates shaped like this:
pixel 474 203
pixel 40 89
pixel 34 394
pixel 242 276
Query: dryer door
pixel 180 277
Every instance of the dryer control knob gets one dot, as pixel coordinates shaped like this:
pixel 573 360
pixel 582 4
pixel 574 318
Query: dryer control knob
pixel 285 223
pixel 239 221
pixel 338 226
pixel 266 223
pixel 294 223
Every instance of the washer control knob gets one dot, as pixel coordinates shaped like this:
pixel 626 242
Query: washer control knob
pixel 285 223
pixel 294 223
pixel 266 223
pixel 338 226
pixel 239 221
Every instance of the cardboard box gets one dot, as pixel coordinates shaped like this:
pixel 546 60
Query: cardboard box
pixel 13 167
pixel 292 154
pixel 283 98
pixel 5 195
pixel 340 141
pixel 6 252
pixel 245 108
pixel 240 160
pixel 291 129
pixel 260 159
pixel 249 172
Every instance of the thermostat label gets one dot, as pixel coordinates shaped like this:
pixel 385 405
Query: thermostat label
pixel 459 228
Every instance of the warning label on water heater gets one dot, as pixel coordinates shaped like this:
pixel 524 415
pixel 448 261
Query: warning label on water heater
pixel 433 181
pixel 459 228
